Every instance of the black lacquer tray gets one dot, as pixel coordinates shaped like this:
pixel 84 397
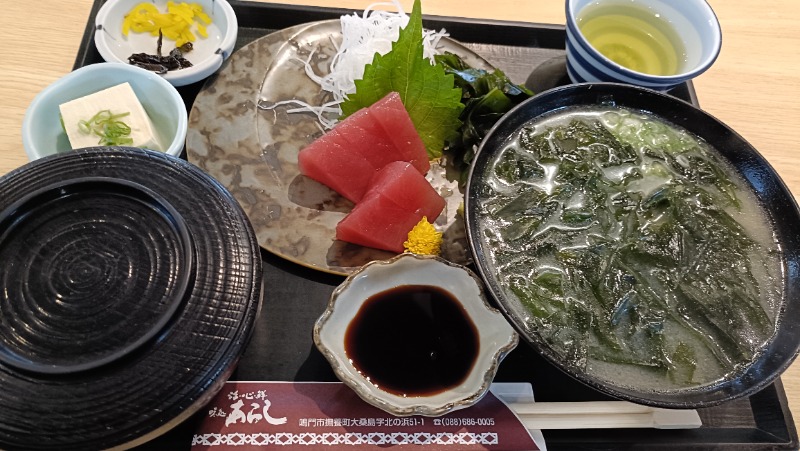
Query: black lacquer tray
pixel 295 296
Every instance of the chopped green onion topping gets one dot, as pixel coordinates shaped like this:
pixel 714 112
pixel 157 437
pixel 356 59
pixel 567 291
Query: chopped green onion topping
pixel 111 130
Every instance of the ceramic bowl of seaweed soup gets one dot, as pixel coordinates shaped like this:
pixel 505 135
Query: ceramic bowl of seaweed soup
pixel 639 244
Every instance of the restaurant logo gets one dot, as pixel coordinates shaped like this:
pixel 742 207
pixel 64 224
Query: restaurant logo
pixel 289 416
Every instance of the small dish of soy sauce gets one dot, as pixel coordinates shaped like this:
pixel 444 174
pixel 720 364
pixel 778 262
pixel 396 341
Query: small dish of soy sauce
pixel 414 335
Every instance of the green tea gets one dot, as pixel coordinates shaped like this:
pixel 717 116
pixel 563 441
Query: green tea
pixel 633 37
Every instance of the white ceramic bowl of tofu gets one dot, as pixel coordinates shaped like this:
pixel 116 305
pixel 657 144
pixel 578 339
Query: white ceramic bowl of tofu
pixel 55 113
pixel 208 52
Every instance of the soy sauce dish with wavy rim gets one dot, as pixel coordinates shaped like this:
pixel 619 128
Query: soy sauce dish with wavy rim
pixel 207 54
pixel 758 176
pixel 495 337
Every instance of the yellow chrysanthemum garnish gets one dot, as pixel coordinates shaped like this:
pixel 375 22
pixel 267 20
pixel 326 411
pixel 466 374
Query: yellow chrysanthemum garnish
pixel 424 239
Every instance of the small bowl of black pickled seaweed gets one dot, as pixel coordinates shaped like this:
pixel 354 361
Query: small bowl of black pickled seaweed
pixel 126 31
pixel 414 335
pixel 639 244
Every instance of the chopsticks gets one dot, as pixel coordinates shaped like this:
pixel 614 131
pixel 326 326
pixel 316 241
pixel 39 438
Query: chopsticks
pixel 602 414
pixel 589 414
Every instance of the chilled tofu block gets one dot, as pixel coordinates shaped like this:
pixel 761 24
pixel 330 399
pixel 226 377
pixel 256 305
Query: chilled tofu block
pixel 118 99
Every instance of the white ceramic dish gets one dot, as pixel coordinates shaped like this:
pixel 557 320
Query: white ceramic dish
pixel 43 135
pixel 206 57
pixel 496 337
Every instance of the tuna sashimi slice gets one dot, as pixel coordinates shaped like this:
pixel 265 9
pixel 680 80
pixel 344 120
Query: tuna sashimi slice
pixel 398 197
pixel 364 143
pixel 393 117
pixel 367 138
pixel 403 185
pixel 377 222
pixel 335 166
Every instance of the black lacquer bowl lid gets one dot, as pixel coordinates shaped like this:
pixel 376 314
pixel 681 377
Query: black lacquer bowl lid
pixel 129 285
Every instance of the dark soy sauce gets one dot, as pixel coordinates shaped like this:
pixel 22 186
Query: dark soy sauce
pixel 412 340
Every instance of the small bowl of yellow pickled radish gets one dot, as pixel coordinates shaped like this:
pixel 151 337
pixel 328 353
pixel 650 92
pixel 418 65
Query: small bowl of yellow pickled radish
pixel 184 42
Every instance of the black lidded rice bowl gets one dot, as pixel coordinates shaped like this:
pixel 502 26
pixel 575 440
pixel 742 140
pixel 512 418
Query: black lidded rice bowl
pixel 130 285
pixel 770 191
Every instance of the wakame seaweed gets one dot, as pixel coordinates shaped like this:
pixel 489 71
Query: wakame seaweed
pixel 609 243
pixel 486 96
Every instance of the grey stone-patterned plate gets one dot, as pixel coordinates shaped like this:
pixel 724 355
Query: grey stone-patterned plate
pixel 252 150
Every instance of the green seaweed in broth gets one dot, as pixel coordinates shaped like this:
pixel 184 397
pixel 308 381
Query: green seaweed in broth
pixel 634 250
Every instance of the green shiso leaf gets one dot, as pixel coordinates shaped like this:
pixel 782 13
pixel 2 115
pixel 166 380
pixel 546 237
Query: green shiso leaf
pixel 429 95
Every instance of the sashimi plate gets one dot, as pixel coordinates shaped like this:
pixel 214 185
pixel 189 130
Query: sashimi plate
pixel 239 137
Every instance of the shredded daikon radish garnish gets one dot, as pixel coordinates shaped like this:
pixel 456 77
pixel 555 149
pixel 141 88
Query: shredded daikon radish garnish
pixel 305 107
pixel 362 36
